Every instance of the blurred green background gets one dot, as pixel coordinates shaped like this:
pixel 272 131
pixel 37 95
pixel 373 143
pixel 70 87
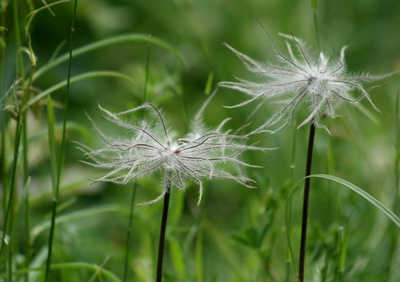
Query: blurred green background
pixel 361 149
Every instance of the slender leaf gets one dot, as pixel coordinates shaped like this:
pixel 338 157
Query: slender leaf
pixel 29 18
pixel 133 37
pixel 314 6
pixel 363 194
pixel 177 256
pixel 52 142
pixel 199 255
pixel 346 184
pixel 75 266
pixel 94 74
pixel 36 230
pixel 20 212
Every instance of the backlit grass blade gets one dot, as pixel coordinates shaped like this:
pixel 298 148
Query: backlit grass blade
pixel 52 142
pixel 363 194
pixel 70 217
pixel 314 6
pixel 87 75
pixel 78 266
pixel 32 14
pixel 348 185
pixel 10 202
pixel 178 258
pixel 127 38
pixel 54 178
pixel 60 159
pixel 20 212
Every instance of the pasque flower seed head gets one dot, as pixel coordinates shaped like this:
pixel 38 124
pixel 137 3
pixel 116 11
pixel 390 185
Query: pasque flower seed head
pixel 147 148
pixel 298 78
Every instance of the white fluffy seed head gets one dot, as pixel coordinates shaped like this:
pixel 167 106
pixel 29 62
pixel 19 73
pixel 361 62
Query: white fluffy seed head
pixel 300 77
pixel 148 149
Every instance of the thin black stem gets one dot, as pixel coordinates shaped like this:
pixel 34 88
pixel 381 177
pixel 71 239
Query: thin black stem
pixel 305 202
pixel 163 228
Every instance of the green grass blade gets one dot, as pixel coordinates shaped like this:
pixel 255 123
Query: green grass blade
pixel 79 128
pixel 133 37
pixel 221 245
pixel 287 225
pixel 363 194
pixel 368 114
pixel 36 230
pixel 89 266
pixel 343 249
pixel 315 20
pixel 199 256
pixel 20 212
pixel 346 184
pixel 397 158
pixel 8 218
pixel 52 142
pixel 314 6
pixel 36 262
pixel 29 18
pixel 133 196
pixel 60 159
pixel 98 269
pixel 54 177
pixel 87 75
pixel 178 259
pixel 128 232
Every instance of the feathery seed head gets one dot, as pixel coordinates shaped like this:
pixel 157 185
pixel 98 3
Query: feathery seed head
pixel 299 78
pixel 148 149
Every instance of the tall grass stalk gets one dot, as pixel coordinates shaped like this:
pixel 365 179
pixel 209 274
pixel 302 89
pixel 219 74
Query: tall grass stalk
pixel 61 152
pixel 26 177
pixel 133 196
pixel 10 203
pixel 199 248
pixel 201 217
pixel 25 152
pixel 2 90
pixel 393 233
pixel 315 20
pixel 289 256
pixel 9 215
pixel 397 159
pixel 128 232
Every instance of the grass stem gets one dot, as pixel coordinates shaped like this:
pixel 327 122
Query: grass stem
pixel 128 233
pixel 130 222
pixel 61 153
pixel 9 215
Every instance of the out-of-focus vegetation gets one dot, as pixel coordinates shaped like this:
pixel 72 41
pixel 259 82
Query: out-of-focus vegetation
pixel 236 234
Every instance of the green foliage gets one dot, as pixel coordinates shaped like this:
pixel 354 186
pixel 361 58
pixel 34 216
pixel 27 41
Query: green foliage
pixel 365 195
pixel 173 51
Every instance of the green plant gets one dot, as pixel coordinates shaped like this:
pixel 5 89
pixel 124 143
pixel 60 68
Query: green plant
pixel 235 234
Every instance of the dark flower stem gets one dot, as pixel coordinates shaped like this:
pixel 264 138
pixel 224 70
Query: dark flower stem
pixel 305 202
pixel 163 228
